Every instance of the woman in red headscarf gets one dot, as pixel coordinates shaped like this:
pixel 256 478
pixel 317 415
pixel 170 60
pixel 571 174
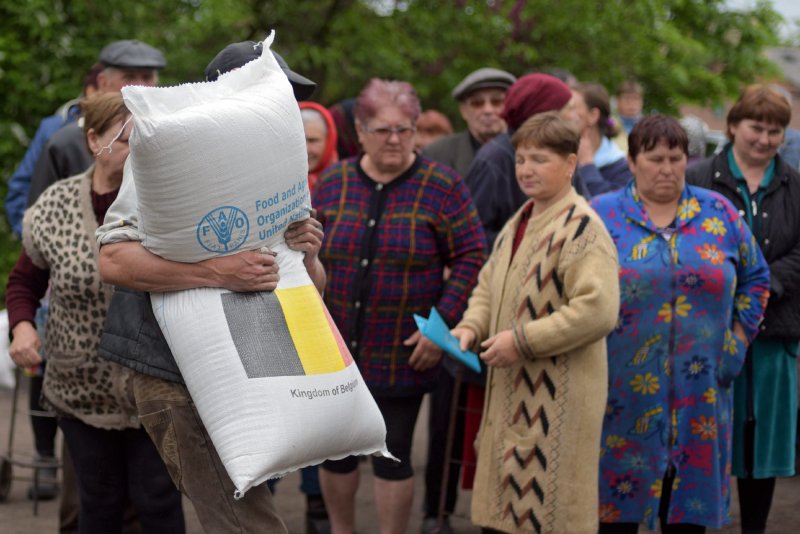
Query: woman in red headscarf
pixel 320 140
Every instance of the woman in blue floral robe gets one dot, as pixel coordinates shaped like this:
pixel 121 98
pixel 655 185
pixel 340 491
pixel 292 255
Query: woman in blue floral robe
pixel 693 288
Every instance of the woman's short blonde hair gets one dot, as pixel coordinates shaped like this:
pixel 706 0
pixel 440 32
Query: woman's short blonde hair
pixel 548 130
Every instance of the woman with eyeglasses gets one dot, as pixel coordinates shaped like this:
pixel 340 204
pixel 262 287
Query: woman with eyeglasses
pixel 693 287
pixel 394 221
pixel 115 460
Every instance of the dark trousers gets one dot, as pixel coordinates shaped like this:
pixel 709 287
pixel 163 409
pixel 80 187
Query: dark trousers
pixel 400 415
pixel 440 405
pixel 663 510
pixel 44 426
pixel 755 501
pixel 114 466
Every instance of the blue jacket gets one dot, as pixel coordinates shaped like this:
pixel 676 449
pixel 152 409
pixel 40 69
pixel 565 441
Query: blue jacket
pixel 611 177
pixel 493 184
pixel 20 182
pixel 790 151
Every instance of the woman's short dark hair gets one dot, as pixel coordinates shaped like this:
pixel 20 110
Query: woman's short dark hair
pixel 652 130
pixel 548 130
pixel 596 97
pixel 760 103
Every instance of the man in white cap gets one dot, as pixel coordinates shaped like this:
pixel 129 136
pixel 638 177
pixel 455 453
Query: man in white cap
pixel 127 62
pixel 480 99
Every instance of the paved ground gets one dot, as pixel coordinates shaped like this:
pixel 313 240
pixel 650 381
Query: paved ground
pixel 16 514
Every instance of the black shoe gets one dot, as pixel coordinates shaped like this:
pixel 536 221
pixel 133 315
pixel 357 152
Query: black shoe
pixel 45 487
pixel 316 516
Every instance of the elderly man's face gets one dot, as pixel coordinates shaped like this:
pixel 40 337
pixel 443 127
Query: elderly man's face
pixel 114 79
pixel 481 111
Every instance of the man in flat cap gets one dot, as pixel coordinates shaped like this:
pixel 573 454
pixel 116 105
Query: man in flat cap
pixel 491 178
pixel 133 338
pixel 480 99
pixel 127 62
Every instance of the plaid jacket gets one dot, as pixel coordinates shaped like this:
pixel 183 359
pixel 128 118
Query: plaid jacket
pixel 385 250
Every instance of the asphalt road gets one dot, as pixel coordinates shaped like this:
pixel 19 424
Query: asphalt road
pixel 17 517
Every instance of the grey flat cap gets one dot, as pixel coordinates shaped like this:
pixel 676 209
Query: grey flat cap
pixel 132 54
pixel 485 78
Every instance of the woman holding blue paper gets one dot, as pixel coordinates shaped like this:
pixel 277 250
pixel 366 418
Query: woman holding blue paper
pixel 544 303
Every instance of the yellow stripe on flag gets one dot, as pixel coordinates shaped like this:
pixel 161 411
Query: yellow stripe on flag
pixel 310 330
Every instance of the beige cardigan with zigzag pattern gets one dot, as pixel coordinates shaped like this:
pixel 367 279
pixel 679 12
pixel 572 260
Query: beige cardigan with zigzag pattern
pixel 539 445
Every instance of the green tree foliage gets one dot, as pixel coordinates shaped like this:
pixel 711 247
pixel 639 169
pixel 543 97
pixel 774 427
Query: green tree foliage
pixel 681 50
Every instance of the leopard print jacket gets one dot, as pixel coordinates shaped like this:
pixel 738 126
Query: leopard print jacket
pixel 58 235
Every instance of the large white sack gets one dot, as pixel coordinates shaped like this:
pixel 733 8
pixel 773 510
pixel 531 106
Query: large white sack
pixel 280 412
pixel 221 167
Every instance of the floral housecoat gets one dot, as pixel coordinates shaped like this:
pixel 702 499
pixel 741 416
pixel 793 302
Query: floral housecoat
pixel 673 355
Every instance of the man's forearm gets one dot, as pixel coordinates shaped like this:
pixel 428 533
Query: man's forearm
pixel 129 264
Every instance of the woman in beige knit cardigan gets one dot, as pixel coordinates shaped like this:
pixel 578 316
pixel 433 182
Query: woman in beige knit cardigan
pixel 544 303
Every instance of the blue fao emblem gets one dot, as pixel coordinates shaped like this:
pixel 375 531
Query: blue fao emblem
pixel 224 229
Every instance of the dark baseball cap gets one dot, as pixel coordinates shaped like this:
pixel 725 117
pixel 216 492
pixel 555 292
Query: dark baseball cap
pixel 132 54
pixel 237 55
pixel 486 78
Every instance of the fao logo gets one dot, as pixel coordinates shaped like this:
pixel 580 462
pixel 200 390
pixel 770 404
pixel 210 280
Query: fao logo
pixel 224 229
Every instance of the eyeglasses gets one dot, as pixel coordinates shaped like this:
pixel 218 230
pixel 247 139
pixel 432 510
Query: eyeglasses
pixel 479 101
pixel 116 138
pixel 384 132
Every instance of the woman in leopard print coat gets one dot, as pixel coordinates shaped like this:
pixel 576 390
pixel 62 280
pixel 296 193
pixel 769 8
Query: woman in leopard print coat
pixel 114 459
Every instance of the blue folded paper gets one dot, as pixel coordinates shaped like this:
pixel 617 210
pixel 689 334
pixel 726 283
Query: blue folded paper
pixel 435 329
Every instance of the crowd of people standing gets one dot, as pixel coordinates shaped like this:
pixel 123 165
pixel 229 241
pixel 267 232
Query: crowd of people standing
pixel 637 319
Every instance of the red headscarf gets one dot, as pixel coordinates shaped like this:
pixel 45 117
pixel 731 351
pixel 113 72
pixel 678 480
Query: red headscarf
pixel 532 94
pixel 329 154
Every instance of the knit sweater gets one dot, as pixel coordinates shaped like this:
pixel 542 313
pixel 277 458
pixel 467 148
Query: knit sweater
pixel 539 445
pixel 58 235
